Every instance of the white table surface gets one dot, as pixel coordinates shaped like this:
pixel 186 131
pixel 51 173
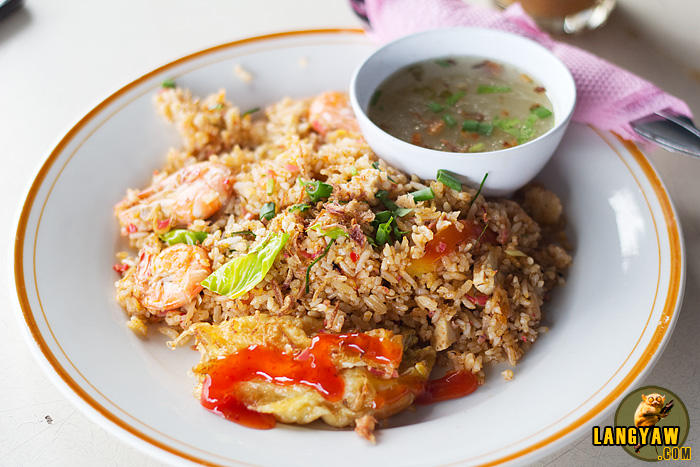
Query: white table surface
pixel 59 59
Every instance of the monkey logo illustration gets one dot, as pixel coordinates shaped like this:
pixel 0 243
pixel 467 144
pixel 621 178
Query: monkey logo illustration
pixel 651 424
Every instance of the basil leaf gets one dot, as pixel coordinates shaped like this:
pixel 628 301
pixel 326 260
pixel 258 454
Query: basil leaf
pixel 187 237
pixel 241 274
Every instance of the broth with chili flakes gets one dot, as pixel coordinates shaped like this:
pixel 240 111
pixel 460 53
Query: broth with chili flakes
pixel 462 104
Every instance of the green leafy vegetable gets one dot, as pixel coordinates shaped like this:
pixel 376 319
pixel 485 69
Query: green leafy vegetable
pixel 423 195
pixel 267 211
pixel 308 270
pixel 301 207
pixel 316 190
pixel 333 232
pixel 449 180
pixel 241 274
pixel 187 237
pixel 383 196
pixel 168 83
pixel 487 89
pixel 485 128
pixel 523 131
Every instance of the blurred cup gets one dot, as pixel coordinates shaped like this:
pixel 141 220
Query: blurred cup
pixel 568 16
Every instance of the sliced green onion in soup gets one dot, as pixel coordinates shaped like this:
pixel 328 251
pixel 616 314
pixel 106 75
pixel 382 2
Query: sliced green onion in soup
pixel 243 273
pixel 489 89
pixel 541 112
pixel 187 237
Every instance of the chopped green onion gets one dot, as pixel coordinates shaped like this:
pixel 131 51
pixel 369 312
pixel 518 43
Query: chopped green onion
pixel 217 107
pixel 242 232
pixel 375 97
pixel 168 83
pixel 308 270
pixel 267 211
pixel 251 111
pixel 301 207
pixel 487 89
pixel 400 212
pixel 398 234
pixel 445 62
pixel 353 170
pixel 523 131
pixel 481 234
pixel 470 125
pixel 316 190
pixel 436 107
pixel 478 147
pixel 477 191
pixel 452 100
pixel 383 232
pixel 449 119
pixel 449 180
pixel 270 186
pixel 376 165
pixel 188 237
pixel 383 196
pixel 423 195
pixel 485 128
pixel 382 217
pixel 244 272
pixel 542 112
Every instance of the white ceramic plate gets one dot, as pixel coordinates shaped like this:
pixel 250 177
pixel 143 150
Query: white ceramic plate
pixel 608 325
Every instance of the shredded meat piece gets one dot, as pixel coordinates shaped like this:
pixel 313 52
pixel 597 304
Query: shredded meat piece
pixel 364 426
pixel 357 235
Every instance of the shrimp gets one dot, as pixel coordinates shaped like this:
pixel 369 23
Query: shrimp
pixel 331 111
pixel 172 278
pixel 197 191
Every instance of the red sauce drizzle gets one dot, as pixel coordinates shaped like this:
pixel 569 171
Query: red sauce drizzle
pixel 312 367
pixel 453 385
pixel 446 241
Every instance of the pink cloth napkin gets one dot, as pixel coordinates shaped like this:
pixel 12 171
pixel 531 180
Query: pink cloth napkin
pixel 608 97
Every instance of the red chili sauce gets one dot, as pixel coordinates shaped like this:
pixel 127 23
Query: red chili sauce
pixel 314 368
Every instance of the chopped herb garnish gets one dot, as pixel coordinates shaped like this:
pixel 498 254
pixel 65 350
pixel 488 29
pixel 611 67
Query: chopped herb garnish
pixel 398 234
pixel 541 112
pixel 353 170
pixel 446 62
pixel 301 207
pixel 251 111
pixel 481 234
pixel 316 190
pixel 308 270
pixel 477 191
pixel 478 147
pixel 488 89
pixel 423 195
pixel 449 119
pixel 381 217
pixel 333 232
pixel 523 131
pixel 270 188
pixel 436 107
pixel 216 107
pixel 375 97
pixel 383 232
pixel 168 83
pixel 470 125
pixel 400 212
pixel 242 232
pixel 267 211
pixel 449 180
pixel 188 237
pixel 376 166
pixel 485 128
pixel 452 100
pixel 383 196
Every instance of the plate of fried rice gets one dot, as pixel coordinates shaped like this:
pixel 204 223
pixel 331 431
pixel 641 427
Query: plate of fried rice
pixel 245 272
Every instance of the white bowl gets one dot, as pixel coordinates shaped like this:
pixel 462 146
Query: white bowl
pixel 508 169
